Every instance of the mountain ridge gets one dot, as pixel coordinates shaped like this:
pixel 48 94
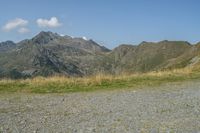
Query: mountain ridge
pixel 49 53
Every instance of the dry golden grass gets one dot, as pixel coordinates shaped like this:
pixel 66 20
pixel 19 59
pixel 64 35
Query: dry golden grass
pixel 98 78
pixel 99 81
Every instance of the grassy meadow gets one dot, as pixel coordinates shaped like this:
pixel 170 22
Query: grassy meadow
pixel 61 84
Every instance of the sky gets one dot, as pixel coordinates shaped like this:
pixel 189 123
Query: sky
pixel 108 22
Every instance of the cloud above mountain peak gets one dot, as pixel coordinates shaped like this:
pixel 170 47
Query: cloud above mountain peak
pixel 20 25
pixel 53 22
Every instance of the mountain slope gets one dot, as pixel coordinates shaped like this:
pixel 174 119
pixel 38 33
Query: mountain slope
pixel 49 53
pixel 190 57
pixel 148 56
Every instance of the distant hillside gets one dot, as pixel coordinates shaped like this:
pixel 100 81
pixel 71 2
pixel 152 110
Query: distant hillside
pixel 6 46
pixel 51 54
pixel 148 56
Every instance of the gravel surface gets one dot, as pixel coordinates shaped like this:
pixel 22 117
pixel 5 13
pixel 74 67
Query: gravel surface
pixel 168 108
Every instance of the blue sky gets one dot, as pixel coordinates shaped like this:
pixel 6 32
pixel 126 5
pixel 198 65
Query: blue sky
pixel 109 22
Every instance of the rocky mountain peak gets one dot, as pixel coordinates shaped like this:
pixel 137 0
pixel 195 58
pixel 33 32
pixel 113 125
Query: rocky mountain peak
pixel 45 37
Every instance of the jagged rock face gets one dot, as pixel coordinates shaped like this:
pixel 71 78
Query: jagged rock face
pixel 49 53
pixel 47 59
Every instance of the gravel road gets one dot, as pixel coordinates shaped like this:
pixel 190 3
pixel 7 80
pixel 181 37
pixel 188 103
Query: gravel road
pixel 169 108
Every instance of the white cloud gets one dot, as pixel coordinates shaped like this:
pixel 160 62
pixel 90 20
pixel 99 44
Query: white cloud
pixel 52 23
pixel 23 30
pixel 13 24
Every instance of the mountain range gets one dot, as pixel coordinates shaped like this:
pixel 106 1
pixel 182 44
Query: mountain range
pixel 49 54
